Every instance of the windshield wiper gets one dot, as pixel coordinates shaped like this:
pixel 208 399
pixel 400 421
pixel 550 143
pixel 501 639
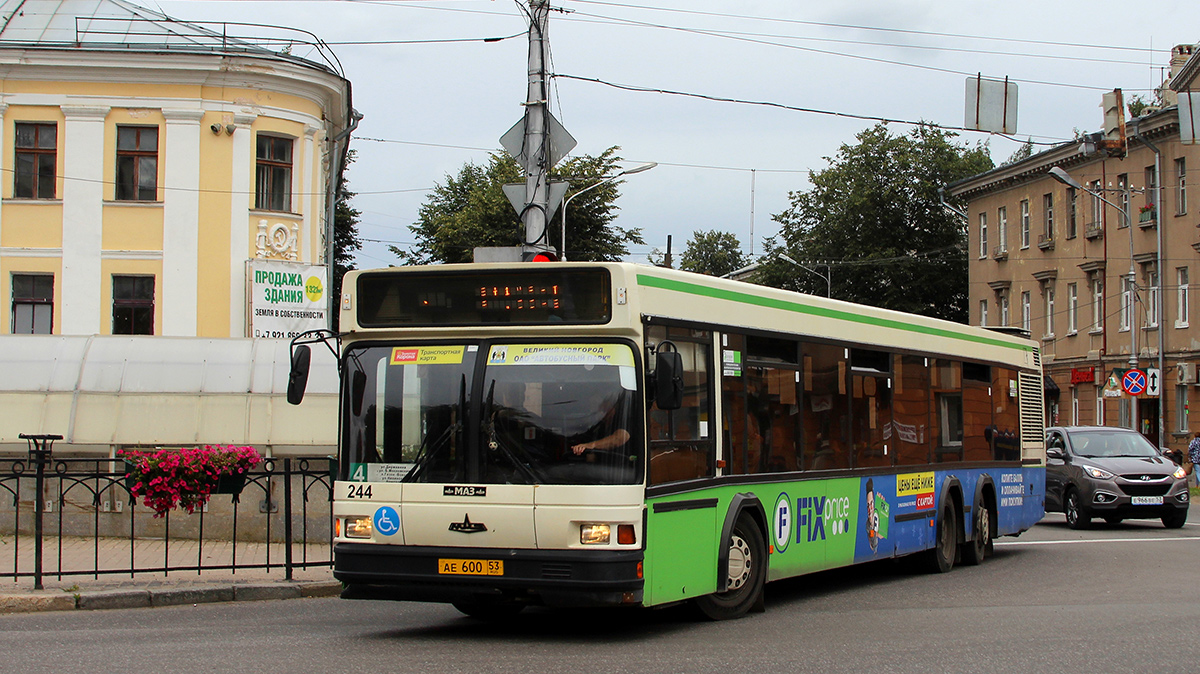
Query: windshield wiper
pixel 428 450
pixel 495 443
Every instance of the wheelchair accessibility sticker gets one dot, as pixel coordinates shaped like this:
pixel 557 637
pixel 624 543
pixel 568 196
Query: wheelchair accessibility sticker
pixel 387 521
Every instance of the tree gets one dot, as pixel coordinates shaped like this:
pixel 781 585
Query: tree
pixel 345 235
pixel 713 253
pixel 875 216
pixel 471 210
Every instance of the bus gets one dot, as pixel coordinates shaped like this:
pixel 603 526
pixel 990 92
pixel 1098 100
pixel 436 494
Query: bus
pixel 611 434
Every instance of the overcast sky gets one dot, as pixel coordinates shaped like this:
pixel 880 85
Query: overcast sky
pixel 429 107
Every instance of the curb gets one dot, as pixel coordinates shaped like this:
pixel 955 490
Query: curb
pixel 116 599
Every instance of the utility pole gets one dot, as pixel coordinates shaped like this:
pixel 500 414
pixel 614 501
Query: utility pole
pixel 537 172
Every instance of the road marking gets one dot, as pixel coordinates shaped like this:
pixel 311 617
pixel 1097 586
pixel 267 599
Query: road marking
pixel 1098 540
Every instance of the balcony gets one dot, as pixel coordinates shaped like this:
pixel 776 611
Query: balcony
pixel 1000 253
pixel 1045 242
pixel 1147 217
pixel 1093 230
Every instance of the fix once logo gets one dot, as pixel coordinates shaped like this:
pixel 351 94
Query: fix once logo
pixel 810 521
pixel 467 526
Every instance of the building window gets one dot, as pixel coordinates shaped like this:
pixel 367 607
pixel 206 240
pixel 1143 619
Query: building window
pixel 983 242
pixel 1181 186
pixel 1123 198
pixel 1075 406
pixel 36 160
pixel 1049 311
pixel 1097 304
pixel 133 305
pixel 1004 311
pixel 1072 213
pixel 1002 228
pixel 1181 408
pixel 1126 414
pixel 1025 223
pixel 1048 210
pixel 137 163
pixel 32 304
pixel 1127 299
pixel 1152 300
pixel 1025 311
pixel 1097 204
pixel 1181 297
pixel 1151 185
pixel 273 174
pixel 1072 308
pixel 982 312
pixel 1099 405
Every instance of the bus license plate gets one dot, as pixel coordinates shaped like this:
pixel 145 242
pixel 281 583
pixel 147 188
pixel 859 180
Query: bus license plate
pixel 1146 500
pixel 471 567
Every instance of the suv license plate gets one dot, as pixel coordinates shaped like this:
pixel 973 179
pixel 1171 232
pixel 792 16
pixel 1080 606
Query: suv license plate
pixel 471 567
pixel 1146 500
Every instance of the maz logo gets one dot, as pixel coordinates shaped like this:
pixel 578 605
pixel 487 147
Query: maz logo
pixel 467 526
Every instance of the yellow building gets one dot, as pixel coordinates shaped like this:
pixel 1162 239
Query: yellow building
pixel 151 166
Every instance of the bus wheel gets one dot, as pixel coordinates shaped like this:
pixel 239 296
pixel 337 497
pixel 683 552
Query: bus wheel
pixel 747 574
pixel 489 611
pixel 975 551
pixel 941 558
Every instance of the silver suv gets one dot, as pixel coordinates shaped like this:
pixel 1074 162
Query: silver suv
pixel 1114 473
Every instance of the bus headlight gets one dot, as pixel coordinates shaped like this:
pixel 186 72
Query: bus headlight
pixel 359 527
pixel 594 534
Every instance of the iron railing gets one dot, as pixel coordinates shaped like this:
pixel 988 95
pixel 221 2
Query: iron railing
pixel 82 513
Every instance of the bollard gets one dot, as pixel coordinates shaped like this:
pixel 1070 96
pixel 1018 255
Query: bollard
pixel 40 449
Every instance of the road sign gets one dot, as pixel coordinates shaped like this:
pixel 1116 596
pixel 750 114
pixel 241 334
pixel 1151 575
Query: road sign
pixel 1153 381
pixel 1134 382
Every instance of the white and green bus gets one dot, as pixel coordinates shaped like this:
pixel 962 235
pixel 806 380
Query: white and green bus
pixel 595 434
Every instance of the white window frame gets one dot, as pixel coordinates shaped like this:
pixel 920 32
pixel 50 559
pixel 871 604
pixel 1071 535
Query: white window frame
pixel 1181 186
pixel 1004 311
pixel 1125 413
pixel 1072 213
pixel 1099 405
pixel 1024 223
pixel 1072 308
pixel 1075 405
pixel 1048 218
pixel 983 313
pixel 1122 184
pixel 1181 297
pixel 1025 311
pixel 1097 203
pixel 1152 300
pixel 983 236
pixel 1049 302
pixel 1127 300
pixel 1097 303
pixel 1002 228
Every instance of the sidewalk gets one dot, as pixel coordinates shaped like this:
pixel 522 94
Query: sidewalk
pixel 147 588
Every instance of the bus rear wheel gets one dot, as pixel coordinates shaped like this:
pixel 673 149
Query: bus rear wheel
pixel 976 550
pixel 941 558
pixel 747 574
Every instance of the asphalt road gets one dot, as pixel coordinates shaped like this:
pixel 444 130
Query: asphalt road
pixel 1111 599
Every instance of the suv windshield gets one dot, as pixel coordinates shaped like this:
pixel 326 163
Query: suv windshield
pixel 1104 444
pixel 548 413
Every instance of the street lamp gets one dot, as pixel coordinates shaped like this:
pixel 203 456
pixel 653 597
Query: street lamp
pixel 607 179
pixel 828 275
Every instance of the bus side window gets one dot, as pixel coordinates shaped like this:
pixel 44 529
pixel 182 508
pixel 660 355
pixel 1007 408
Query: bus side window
pixel 826 408
pixel 680 441
pixel 948 410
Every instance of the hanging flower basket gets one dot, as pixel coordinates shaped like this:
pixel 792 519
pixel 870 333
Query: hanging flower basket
pixel 166 479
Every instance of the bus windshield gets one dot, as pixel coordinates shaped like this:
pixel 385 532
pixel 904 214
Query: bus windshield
pixel 547 413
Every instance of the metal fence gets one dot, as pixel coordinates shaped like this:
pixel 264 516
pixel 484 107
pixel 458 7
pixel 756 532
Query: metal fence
pixel 78 517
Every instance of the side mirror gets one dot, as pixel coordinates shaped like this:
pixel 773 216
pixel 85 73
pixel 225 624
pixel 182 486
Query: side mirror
pixel 298 377
pixel 1055 453
pixel 668 378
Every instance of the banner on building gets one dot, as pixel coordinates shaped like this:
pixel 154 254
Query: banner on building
pixel 286 298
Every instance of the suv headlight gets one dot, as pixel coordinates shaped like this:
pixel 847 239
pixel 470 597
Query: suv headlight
pixel 1179 473
pixel 1097 473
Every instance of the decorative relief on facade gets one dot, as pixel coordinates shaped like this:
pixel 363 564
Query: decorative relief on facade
pixel 279 241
